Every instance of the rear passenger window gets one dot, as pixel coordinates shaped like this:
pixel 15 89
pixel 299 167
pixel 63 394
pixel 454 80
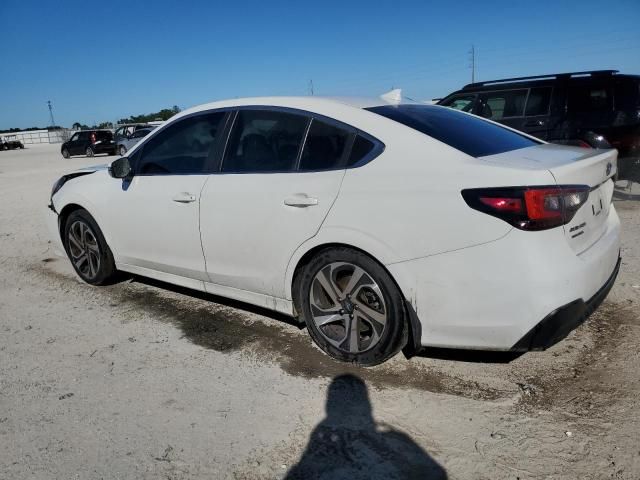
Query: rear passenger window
pixel 361 148
pixel 324 147
pixel 466 133
pixel 503 104
pixel 263 141
pixel 538 102
pixel 181 148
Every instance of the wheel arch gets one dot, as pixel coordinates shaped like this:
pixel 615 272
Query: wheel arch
pixel 67 210
pixel 399 276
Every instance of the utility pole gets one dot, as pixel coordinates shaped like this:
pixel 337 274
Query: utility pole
pixel 472 59
pixel 311 87
pixel 53 122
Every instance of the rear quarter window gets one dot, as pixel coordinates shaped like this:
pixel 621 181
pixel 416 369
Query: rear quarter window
pixel 466 133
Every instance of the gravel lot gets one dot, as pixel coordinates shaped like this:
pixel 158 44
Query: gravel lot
pixel 142 380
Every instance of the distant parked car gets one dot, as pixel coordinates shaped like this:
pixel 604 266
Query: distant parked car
pixel 598 109
pixel 123 132
pixel 10 142
pixel 89 143
pixel 125 144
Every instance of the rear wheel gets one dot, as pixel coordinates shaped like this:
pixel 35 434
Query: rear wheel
pixel 89 152
pixel 87 249
pixel 65 153
pixel 123 150
pixel 353 310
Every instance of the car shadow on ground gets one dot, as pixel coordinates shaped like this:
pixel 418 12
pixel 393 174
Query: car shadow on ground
pixel 349 444
pixel 209 297
pixel 458 355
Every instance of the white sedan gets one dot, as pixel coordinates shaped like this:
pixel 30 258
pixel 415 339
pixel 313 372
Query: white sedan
pixel 377 224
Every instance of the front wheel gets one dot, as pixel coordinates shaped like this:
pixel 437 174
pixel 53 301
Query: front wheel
pixel 353 310
pixel 65 153
pixel 87 249
pixel 89 152
pixel 123 150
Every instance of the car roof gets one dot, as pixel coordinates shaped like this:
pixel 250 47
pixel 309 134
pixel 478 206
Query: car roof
pixel 549 79
pixel 299 102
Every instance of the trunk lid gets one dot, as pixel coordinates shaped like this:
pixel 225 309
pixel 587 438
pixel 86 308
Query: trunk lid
pixel 573 166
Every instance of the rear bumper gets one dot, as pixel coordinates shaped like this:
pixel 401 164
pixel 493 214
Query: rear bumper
pixel 559 323
pixel 492 296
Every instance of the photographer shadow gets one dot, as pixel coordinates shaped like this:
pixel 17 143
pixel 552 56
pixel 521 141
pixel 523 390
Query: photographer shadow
pixel 349 444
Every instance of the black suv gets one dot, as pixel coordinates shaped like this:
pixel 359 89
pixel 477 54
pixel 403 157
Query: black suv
pixel 599 109
pixel 89 143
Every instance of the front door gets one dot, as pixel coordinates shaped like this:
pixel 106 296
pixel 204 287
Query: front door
pixel 269 197
pixel 78 143
pixel 158 209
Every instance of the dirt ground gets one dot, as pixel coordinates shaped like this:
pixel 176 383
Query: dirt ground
pixel 146 381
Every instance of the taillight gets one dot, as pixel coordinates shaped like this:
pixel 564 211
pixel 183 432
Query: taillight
pixel 529 208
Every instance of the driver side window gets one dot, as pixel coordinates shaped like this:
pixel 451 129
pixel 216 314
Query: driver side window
pixel 182 148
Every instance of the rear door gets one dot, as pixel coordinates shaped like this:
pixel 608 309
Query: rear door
pixel 504 106
pixel 270 196
pixel 537 111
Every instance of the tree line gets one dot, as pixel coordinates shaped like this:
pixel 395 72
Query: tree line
pixel 162 115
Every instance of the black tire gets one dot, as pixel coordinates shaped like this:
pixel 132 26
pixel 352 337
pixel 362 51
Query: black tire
pixel 385 340
pixel 98 268
pixel 65 153
pixel 89 152
pixel 123 150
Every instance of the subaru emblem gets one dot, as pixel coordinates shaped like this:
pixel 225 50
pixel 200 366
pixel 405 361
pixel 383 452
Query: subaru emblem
pixel 609 167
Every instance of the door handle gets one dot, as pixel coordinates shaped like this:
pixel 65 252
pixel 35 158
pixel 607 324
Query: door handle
pixel 184 197
pixel 534 123
pixel 300 201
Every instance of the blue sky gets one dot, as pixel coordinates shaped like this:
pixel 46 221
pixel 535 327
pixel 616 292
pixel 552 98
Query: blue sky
pixel 101 61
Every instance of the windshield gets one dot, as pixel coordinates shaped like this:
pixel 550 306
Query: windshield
pixel 467 133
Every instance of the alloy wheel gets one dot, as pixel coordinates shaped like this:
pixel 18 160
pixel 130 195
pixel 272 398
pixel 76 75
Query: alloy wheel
pixel 84 249
pixel 89 152
pixel 348 307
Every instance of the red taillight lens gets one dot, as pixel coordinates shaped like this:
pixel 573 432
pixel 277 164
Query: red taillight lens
pixel 529 208
pixel 513 205
pixel 543 203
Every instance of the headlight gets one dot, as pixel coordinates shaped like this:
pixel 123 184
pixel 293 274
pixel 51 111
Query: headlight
pixel 58 185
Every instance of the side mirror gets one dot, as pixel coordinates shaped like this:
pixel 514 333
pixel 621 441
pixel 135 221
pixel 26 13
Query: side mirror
pixel 120 168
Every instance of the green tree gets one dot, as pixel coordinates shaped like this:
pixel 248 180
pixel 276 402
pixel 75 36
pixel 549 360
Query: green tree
pixel 164 114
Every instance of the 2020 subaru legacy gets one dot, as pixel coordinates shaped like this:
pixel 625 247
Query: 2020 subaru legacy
pixel 377 224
